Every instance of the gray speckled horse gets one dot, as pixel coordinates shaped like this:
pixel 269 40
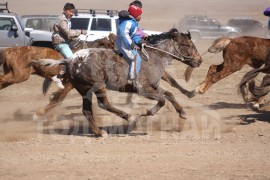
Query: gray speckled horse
pixel 95 70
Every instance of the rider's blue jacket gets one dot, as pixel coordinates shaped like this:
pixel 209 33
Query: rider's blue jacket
pixel 126 33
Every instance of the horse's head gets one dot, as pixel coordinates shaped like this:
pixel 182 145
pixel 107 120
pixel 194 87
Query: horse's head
pixel 185 49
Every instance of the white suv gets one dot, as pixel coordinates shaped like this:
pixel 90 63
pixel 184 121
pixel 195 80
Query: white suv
pixel 98 22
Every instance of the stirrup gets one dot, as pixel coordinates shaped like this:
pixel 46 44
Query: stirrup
pixel 136 84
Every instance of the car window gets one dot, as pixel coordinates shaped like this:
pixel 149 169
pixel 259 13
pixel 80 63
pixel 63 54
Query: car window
pixel 258 24
pixel 213 23
pixel 190 22
pixel 80 23
pixel 202 23
pixel 233 23
pixel 101 24
pixel 34 23
pixel 48 24
pixel 6 23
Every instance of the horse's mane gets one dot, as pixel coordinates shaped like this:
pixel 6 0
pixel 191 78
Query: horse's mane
pixel 154 39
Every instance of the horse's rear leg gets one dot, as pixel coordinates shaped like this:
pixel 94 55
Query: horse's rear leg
pixel 154 96
pixel 215 73
pixel 58 97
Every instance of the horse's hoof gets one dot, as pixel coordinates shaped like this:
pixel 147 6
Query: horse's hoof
pixel 38 116
pixel 198 90
pixel 40 112
pixel 183 115
pixel 191 94
pixel 132 123
pixel 256 107
pixel 133 119
pixel 144 112
pixel 35 117
pixel 44 119
pixel 104 134
pixel 130 104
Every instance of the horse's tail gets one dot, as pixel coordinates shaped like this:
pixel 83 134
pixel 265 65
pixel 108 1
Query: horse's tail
pixel 219 45
pixel 247 78
pixel 52 62
pixel 258 91
pixel 48 62
pixel 46 85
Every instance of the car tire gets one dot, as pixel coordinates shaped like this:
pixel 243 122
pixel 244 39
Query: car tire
pixel 232 35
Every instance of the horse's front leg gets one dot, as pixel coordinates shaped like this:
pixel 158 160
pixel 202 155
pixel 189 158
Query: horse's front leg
pixel 179 109
pixel 154 95
pixel 14 77
pixel 169 79
pixel 103 103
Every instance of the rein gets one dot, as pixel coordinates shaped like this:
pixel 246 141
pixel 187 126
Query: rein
pixel 181 57
pixel 204 53
pixel 166 52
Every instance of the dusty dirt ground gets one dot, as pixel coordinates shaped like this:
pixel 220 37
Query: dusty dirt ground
pixel 221 138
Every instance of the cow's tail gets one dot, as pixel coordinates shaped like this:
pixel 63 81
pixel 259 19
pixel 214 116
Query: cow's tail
pixel 219 45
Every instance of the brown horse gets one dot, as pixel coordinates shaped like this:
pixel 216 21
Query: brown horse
pixel 16 61
pixel 237 52
pixel 95 70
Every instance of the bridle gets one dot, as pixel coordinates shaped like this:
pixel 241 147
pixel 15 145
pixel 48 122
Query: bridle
pixel 186 58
